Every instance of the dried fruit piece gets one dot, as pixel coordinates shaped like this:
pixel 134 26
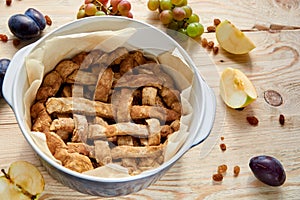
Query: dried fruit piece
pixel 281 119
pixel 211 28
pixel 268 170
pixel 217 22
pixel 48 20
pixel 236 170
pixel 217 177
pixel 223 147
pixel 222 169
pixel 8 2
pixel 252 120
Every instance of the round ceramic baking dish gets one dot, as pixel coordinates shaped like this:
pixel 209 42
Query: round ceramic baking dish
pixel 146 37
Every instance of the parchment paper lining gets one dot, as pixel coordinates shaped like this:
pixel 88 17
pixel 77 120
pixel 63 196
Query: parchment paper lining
pixel 44 58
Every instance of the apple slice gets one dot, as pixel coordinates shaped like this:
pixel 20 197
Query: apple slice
pixel 23 181
pixel 232 39
pixel 236 90
pixel 10 191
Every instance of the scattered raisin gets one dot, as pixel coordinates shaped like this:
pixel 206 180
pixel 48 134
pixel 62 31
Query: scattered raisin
pixel 236 170
pixel 222 138
pixel 48 20
pixel 281 119
pixel 222 169
pixel 215 50
pixel 8 2
pixel 16 42
pixel 217 22
pixel 210 44
pixel 217 177
pixel 252 121
pixel 211 28
pixel 204 42
pixel 3 37
pixel 223 147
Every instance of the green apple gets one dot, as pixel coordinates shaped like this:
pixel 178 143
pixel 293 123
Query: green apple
pixel 236 90
pixel 22 181
pixel 232 39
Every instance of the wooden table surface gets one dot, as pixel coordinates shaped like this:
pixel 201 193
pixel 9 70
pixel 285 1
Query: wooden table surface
pixel 273 65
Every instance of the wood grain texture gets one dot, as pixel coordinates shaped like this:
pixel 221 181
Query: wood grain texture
pixel 273 64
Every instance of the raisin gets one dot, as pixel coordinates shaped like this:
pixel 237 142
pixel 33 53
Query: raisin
pixel 8 2
pixel 222 169
pixel 215 50
pixel 204 42
pixel 217 177
pixel 211 28
pixel 210 44
pixel 217 22
pixel 48 20
pixel 236 170
pixel 223 147
pixel 252 121
pixel 3 37
pixel 281 119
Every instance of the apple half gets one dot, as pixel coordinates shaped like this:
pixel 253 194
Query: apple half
pixel 22 181
pixel 232 39
pixel 236 90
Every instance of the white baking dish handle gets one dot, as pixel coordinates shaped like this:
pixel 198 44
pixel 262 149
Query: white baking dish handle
pixel 209 117
pixel 11 73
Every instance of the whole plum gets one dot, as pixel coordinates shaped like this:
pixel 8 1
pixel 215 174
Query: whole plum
pixel 268 170
pixel 3 67
pixel 37 16
pixel 23 27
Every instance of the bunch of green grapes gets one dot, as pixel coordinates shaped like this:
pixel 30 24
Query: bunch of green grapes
pixel 177 15
pixel 101 7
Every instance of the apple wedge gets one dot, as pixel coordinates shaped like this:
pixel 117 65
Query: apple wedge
pixel 236 90
pixel 232 39
pixel 10 191
pixel 22 181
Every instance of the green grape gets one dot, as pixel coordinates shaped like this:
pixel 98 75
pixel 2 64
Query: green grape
pixel 166 16
pixel 80 14
pixel 100 13
pixel 153 5
pixel 195 29
pixel 184 3
pixel 193 18
pixel 177 2
pixel 182 30
pixel 173 25
pixel 178 13
pixel 165 4
pixel 90 9
pixel 188 11
pixel 181 24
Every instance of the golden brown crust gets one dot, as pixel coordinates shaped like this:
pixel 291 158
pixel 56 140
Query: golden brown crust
pixel 116 107
pixel 104 85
